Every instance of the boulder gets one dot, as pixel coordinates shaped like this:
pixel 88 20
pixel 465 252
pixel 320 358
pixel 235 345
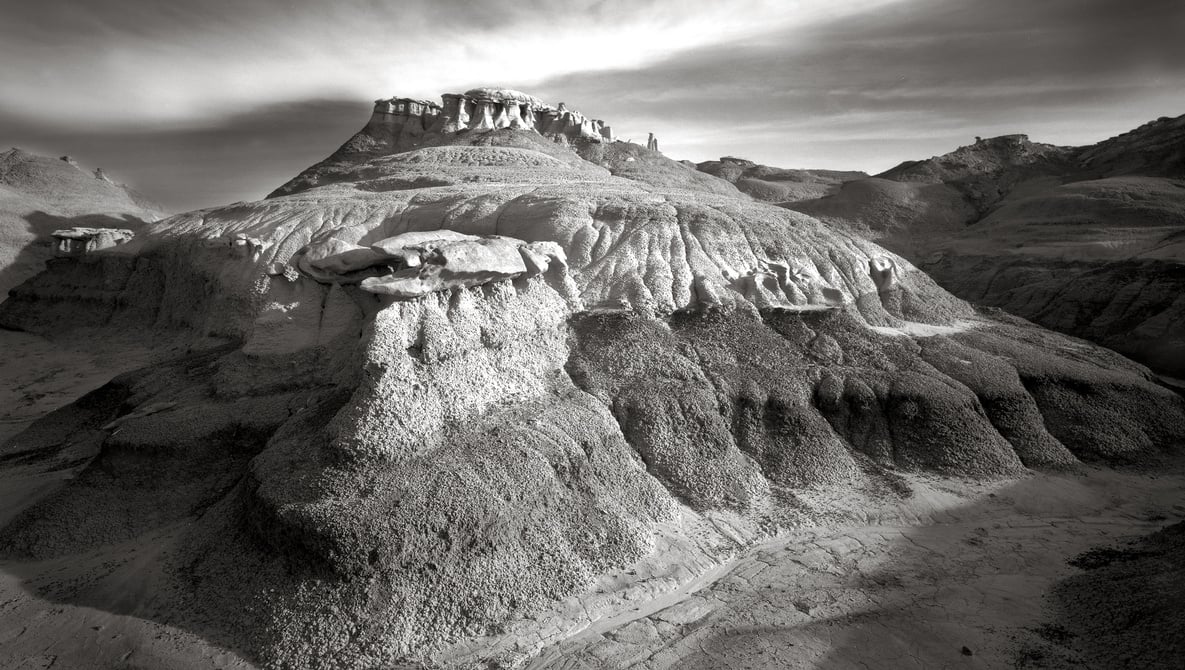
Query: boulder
pixel 456 264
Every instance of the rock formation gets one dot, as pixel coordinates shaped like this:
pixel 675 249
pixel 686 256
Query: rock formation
pixel 1085 240
pixel 652 142
pixel 482 115
pixel 414 264
pixel 78 241
pixel 460 386
pixel 486 109
pixel 40 195
pixel 238 244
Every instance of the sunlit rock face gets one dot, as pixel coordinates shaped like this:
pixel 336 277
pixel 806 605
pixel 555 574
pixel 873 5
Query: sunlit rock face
pixel 414 264
pixel 485 109
pixel 82 240
pixel 446 388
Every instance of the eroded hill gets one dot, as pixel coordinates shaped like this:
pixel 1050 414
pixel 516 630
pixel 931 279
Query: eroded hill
pixel 1085 240
pixel 439 395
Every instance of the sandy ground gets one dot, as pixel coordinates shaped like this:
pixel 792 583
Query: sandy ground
pixel 39 632
pixel 962 589
pixel 39 376
pixel 954 576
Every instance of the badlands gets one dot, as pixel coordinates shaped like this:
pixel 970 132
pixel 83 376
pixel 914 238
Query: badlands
pixel 489 388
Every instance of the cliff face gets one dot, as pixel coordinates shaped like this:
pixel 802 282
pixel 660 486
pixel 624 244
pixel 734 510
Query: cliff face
pixel 588 364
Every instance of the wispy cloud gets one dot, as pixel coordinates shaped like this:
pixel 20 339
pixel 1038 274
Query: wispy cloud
pixel 204 102
pixel 134 61
pixel 907 80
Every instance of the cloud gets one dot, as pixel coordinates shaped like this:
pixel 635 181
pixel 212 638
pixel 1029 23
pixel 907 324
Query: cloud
pixel 202 103
pixel 121 62
pixel 914 76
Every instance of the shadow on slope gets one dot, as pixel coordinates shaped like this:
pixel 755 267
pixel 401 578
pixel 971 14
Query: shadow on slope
pixel 40 226
pixel 972 588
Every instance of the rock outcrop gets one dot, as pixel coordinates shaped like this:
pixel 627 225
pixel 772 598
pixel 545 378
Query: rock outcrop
pixel 78 241
pixel 458 385
pixel 412 265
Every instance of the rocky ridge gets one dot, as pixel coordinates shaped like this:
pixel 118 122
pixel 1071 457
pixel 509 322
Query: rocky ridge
pixel 1086 240
pixel 432 398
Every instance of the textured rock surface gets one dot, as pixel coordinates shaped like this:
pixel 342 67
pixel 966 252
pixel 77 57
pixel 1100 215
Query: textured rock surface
pixel 79 240
pixel 39 195
pixel 1088 240
pixel 357 480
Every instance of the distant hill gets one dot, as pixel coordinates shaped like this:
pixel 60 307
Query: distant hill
pixel 777 185
pixel 39 194
pixel 1087 240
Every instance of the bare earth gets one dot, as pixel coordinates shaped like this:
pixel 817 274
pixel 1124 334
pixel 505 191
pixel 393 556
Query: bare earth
pixel 77 630
pixel 952 577
pixel 892 594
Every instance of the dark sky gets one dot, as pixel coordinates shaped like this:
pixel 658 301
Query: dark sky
pixel 205 102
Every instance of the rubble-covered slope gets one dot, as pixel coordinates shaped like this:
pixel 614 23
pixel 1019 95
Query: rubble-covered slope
pixel 379 477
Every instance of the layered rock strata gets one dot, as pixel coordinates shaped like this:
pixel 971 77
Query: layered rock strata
pixel 484 109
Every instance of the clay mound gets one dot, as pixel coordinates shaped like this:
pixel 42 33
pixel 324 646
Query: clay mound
pixel 39 195
pixel 382 479
pixel 1101 259
pixel 777 185
pixel 517 150
pixel 1141 584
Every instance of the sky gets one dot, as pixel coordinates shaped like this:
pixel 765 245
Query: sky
pixel 198 103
